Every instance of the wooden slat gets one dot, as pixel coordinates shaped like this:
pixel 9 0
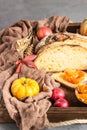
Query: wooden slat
pixel 63 114
pixel 4 116
pixel 73 27
pixel 55 114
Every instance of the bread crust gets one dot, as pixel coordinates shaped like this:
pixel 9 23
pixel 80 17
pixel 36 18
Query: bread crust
pixel 65 38
pixel 58 57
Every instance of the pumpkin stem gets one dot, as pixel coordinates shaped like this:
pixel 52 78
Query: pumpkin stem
pixel 24 82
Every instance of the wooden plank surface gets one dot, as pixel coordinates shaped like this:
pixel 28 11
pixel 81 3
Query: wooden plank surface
pixel 54 114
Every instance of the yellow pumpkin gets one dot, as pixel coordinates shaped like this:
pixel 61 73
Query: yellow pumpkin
pixel 23 87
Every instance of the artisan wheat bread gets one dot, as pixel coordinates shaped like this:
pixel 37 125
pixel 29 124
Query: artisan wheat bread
pixel 62 38
pixel 55 57
pixel 76 39
pixel 51 38
pixel 58 77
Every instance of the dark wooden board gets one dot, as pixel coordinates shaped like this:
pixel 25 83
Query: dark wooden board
pixel 54 114
pixel 77 110
pixel 73 27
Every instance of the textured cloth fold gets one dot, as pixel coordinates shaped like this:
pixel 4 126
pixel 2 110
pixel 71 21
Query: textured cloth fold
pixel 21 29
pixel 31 112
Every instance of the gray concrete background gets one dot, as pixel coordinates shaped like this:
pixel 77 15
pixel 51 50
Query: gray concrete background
pixel 12 11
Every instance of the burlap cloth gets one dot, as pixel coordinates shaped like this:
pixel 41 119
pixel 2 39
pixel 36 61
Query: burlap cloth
pixel 30 113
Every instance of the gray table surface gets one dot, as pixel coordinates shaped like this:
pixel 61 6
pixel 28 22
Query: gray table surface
pixel 12 11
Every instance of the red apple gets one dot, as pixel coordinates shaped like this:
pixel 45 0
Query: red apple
pixel 43 31
pixel 61 103
pixel 57 93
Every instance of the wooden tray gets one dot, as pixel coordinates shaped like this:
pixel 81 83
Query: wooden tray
pixel 77 110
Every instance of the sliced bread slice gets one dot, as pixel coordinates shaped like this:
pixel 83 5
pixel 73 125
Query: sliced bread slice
pixel 55 57
pixel 58 77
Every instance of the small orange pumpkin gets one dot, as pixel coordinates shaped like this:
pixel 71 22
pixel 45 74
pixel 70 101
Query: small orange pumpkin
pixel 83 27
pixel 24 87
pixel 81 93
